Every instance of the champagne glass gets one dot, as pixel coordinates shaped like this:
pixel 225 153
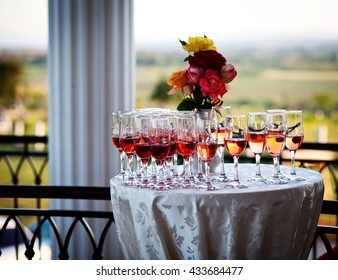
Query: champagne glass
pixel 275 141
pixel 128 137
pixel 159 141
pixel 115 136
pixel 142 146
pixel 235 143
pixel 257 140
pixel 207 137
pixel 294 138
pixel 171 162
pixel 278 167
pixel 220 112
pixel 186 144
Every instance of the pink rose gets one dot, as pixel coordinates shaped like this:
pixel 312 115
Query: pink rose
pixel 228 73
pixel 193 74
pixel 212 84
pixel 187 89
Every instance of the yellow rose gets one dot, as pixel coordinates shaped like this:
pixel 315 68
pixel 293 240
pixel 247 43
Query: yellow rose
pixel 196 44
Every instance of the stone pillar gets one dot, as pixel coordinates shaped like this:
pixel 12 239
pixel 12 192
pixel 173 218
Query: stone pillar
pixel 91 73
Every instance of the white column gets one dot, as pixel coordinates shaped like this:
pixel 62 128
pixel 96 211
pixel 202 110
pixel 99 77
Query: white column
pixel 91 74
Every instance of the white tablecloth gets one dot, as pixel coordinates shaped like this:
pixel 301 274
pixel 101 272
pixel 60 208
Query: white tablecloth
pixel 259 222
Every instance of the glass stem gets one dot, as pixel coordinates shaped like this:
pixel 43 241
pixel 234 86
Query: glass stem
pixel 186 168
pixel 275 166
pixel 293 166
pixel 154 169
pixel 258 165
pixel 160 172
pixel 278 167
pixel 145 171
pixel 236 177
pixel 122 162
pixel 207 171
pixel 175 173
pixel 221 150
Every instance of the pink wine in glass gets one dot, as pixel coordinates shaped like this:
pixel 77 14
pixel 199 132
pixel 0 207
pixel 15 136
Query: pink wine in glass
pixel 293 142
pixel 235 146
pixel 257 142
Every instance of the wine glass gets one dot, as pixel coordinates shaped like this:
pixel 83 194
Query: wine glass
pixel 220 112
pixel 278 167
pixel 186 144
pixel 159 141
pixel 275 141
pixel 171 160
pixel 235 142
pixel 128 137
pixel 294 138
pixel 142 146
pixel 257 140
pixel 115 136
pixel 207 137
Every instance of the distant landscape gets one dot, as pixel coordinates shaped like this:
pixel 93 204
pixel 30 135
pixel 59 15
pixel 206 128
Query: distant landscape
pixel 291 78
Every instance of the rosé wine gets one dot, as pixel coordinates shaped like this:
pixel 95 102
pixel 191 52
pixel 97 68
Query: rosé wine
pixel 207 151
pixel 235 146
pixel 185 148
pixel 275 144
pixel 257 142
pixel 293 142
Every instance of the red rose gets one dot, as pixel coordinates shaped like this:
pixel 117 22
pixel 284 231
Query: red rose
pixel 212 84
pixel 207 60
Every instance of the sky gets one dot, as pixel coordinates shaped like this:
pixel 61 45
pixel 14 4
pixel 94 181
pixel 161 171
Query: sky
pixel 162 22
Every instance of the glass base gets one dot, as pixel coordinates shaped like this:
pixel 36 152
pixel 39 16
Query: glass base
pixel 207 186
pixel 160 186
pixel 236 185
pixel 276 181
pixel 257 178
pixel 220 178
pixel 294 177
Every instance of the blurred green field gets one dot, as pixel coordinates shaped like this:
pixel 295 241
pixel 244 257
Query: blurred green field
pixel 269 88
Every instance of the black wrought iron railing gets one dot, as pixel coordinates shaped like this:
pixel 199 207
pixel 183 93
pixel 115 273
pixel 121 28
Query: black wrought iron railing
pixel 15 233
pixel 15 151
pixel 19 153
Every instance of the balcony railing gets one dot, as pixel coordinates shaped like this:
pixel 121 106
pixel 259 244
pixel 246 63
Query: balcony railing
pixel 31 152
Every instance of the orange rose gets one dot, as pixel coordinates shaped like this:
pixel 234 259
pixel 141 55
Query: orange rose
pixel 177 80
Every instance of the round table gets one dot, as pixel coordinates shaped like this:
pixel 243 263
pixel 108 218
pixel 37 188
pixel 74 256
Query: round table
pixel 259 222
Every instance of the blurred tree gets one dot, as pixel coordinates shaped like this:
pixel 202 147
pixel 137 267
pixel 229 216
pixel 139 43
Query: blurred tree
pixel 160 91
pixel 10 74
pixel 325 101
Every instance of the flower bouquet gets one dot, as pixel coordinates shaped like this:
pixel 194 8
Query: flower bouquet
pixel 205 81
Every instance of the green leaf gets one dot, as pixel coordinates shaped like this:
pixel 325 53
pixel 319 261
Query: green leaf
pixel 187 104
pixel 206 105
pixel 183 43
